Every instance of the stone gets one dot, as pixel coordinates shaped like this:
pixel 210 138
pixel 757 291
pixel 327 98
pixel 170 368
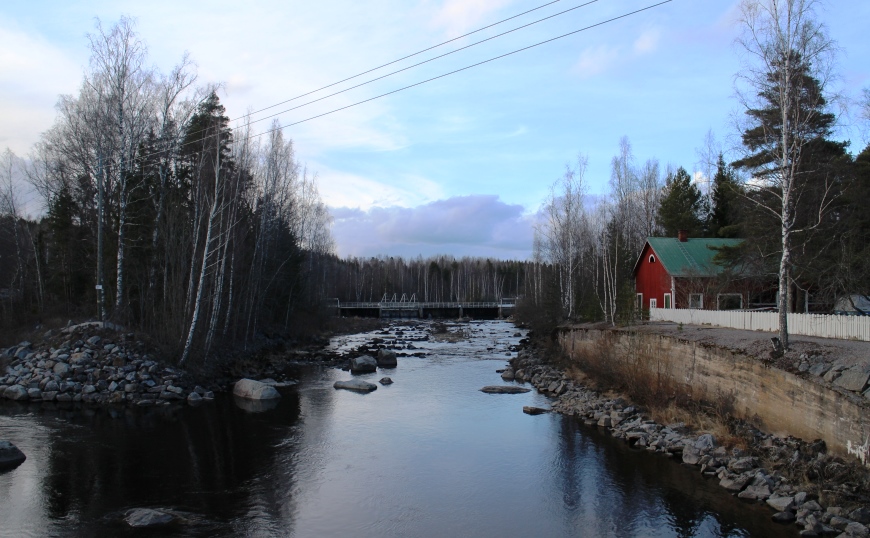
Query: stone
pixel 34 394
pixel 61 369
pixel 10 456
pixel 741 465
pixel 508 375
pixel 756 492
pixel 87 389
pixel 705 442
pixel 531 410
pixel 254 390
pixel 363 364
pixel 781 504
pixel 387 359
pixel 504 389
pixel 94 340
pixel 49 396
pixel 861 515
pixel 605 421
pixel 15 392
pixel 857 530
pixel 356 385
pixel 735 484
pixel 146 517
pixel 386 381
pixel 179 390
pixel 63 397
pixel 784 517
pixel 194 397
pixel 691 455
pixel 854 379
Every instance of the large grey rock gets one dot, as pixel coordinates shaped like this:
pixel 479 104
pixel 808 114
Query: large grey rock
pixel 61 369
pixel 854 379
pixel 146 517
pixel 10 456
pixel 363 364
pixel 387 359
pixel 861 515
pixel 15 392
pixel 781 504
pixel 254 390
pixel 705 442
pixel 735 484
pixel 508 375
pixel 820 369
pixel 691 455
pixel 531 410
pixel 504 389
pixel 355 384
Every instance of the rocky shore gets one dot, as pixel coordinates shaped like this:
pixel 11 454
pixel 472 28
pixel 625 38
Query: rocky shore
pixel 799 481
pixel 90 362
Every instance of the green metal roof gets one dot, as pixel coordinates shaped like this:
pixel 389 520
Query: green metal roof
pixel 693 257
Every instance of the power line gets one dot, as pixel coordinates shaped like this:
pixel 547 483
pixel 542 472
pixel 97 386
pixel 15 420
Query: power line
pixel 405 68
pixel 402 58
pixel 462 69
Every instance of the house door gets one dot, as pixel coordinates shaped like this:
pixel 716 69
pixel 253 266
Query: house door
pixel 653 303
pixel 668 300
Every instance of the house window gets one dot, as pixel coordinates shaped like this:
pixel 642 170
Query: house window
pixel 729 301
pixel 652 259
pixel 653 303
pixel 639 302
pixel 696 300
pixel 668 300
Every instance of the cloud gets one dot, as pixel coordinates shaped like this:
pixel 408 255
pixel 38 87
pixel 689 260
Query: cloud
pixel 647 42
pixel 476 225
pixel 460 16
pixel 33 73
pixel 343 189
pixel 595 60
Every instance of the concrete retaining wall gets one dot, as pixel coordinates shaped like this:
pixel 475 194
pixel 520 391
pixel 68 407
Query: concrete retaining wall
pixel 773 400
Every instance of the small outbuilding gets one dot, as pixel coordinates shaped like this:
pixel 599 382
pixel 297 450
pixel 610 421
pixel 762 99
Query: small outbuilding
pixel 679 272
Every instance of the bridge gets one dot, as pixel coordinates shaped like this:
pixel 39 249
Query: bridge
pixel 408 307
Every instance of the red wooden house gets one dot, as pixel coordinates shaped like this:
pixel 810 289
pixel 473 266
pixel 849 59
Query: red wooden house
pixel 678 272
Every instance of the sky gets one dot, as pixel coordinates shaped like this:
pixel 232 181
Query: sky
pixel 459 165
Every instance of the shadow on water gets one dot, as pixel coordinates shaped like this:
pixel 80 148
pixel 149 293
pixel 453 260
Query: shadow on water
pixel 206 461
pixel 611 489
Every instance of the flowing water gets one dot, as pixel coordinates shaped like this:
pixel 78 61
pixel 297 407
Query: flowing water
pixel 429 456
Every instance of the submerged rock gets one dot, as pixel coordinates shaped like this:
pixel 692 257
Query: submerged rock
pixel 355 384
pixel 10 456
pixel 386 381
pixel 504 389
pixel 146 517
pixel 531 410
pixel 255 390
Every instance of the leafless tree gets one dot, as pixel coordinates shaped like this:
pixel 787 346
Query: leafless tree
pixel 784 42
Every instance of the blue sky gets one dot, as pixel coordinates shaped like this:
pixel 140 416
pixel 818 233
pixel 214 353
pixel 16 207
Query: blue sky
pixel 459 165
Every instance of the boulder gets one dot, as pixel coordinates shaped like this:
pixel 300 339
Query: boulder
pixel 508 375
pixel 784 517
pixel 530 410
pixel 386 381
pixel 254 390
pixel 355 384
pixel 15 392
pixel 781 504
pixel 504 389
pixel 387 359
pixel 10 456
pixel 193 397
pixel 363 364
pixel 146 517
pixel 854 379
pixel 691 455
pixel 705 443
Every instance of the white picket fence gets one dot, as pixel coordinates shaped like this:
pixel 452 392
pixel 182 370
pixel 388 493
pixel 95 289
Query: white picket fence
pixel 822 325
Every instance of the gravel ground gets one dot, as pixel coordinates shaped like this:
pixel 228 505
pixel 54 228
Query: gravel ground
pixel 757 344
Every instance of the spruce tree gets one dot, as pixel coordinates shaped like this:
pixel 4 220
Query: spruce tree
pixel 682 205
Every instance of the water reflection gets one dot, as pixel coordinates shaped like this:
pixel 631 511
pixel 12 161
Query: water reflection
pixel 427 456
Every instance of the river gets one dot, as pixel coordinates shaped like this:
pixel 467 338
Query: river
pixel 428 456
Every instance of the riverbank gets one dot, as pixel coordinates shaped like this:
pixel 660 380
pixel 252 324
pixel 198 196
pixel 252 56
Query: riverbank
pixel 101 363
pixel 798 480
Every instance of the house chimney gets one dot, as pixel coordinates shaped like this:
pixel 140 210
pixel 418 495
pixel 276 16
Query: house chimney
pixel 683 235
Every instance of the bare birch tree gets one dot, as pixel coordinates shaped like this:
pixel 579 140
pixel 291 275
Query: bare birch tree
pixel 787 49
